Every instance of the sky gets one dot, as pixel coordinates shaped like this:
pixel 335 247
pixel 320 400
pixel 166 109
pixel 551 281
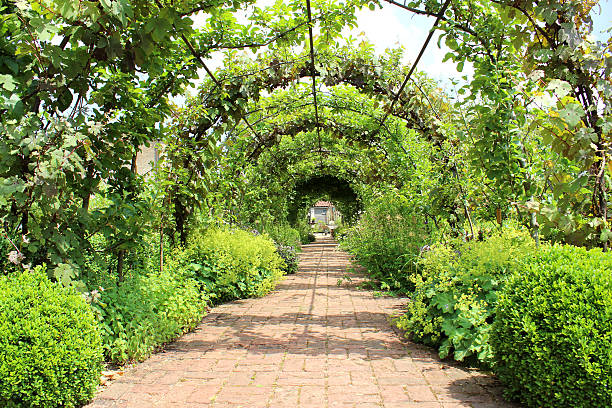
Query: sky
pixel 404 28
pixel 392 26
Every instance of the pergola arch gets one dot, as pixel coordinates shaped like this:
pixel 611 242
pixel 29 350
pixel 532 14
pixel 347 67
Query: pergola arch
pixel 378 77
pixel 233 107
pixel 342 112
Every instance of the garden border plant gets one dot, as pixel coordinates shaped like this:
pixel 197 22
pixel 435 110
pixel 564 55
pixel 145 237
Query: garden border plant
pixel 50 345
pixel 552 335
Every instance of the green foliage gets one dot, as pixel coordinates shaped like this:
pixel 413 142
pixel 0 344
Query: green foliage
pixel 234 264
pixel 456 292
pixel 149 309
pixel 553 330
pixel 84 86
pixel 290 257
pixel 387 241
pixel 309 190
pixel 305 231
pixel 534 118
pixel 284 235
pixel 50 349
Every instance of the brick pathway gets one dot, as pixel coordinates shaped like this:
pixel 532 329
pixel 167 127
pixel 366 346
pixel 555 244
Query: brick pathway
pixel 311 343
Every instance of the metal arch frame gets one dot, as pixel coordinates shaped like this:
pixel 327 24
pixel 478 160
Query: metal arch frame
pixel 313 74
pixel 313 69
pixel 414 64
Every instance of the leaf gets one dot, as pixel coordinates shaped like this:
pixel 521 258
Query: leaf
pixel 15 105
pixel 572 114
pixel 45 32
pixel 460 354
pixel 118 9
pixel 606 235
pixel 68 8
pixel 549 15
pixel 449 327
pixel 559 87
pixel 64 274
pixel 445 348
pixel 64 99
pixel 7 82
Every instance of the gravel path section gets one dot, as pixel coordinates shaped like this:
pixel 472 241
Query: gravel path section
pixel 311 343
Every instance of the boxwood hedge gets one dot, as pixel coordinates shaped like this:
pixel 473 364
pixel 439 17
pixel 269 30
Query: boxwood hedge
pixel 552 336
pixel 50 348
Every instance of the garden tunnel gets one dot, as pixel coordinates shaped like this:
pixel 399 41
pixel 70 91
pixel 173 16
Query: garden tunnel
pixel 256 103
pixel 337 164
pixel 445 185
pixel 355 122
pixel 327 187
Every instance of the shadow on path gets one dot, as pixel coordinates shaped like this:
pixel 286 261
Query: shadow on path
pixel 311 343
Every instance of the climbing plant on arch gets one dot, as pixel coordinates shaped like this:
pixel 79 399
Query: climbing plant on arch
pixel 356 85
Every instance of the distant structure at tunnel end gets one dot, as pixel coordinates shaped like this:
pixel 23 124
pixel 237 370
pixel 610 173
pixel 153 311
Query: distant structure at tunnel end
pixel 323 212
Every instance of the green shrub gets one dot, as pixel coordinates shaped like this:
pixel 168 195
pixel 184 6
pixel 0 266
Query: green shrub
pixel 309 238
pixel 284 235
pixel 456 292
pixel 341 232
pixel 100 264
pixel 387 241
pixel 150 309
pixel 50 350
pixel 305 231
pixel 235 264
pixel 552 335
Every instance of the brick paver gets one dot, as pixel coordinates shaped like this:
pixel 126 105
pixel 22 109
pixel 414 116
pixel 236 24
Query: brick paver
pixel 311 343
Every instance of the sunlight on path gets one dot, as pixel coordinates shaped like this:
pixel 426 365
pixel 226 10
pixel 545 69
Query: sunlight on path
pixel 311 343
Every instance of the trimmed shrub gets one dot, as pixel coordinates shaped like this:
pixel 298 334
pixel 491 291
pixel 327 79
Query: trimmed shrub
pixel 456 292
pixel 552 336
pixel 50 350
pixel 149 309
pixel 235 264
